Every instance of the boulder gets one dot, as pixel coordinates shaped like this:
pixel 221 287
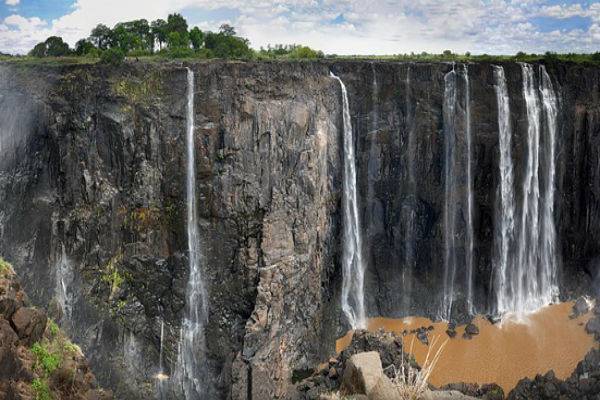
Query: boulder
pixel 363 372
pixel 581 306
pixel 30 324
pixel 384 390
pixel 593 326
pixel 446 395
pixel 471 329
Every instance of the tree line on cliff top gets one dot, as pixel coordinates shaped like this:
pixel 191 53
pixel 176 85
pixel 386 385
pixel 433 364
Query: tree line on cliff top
pixel 170 38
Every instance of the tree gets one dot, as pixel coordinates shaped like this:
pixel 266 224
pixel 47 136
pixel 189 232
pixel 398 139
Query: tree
pixel 176 23
pixel 84 47
pixel 39 50
pixel 197 38
pixel 101 36
pixel 305 52
pixel 56 47
pixel 159 31
pixel 227 30
pixel 176 40
pixel 225 46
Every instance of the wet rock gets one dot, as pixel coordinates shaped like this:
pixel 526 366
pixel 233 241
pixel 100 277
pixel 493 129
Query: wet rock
pixel 593 326
pixel 30 324
pixel 423 338
pixel 581 306
pixel 471 329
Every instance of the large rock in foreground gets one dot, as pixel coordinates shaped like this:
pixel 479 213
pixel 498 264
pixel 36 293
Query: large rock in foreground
pixel 36 360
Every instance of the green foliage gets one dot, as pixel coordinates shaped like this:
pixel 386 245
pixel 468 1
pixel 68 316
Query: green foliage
pixel 47 361
pixel 197 38
pixel 84 47
pixel 159 31
pixel 112 275
pixel 294 52
pixel 54 46
pixel 176 23
pixel 101 36
pixel 41 389
pixel 53 328
pixel 224 45
pixel 177 40
pixel 305 52
pixel 5 267
pixel 112 56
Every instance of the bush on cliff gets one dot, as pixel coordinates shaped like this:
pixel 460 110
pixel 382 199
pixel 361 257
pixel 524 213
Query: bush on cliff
pixel 112 56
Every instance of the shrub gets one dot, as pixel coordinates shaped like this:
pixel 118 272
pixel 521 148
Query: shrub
pixel 45 360
pixel 41 389
pixel 5 267
pixel 53 328
pixel 112 56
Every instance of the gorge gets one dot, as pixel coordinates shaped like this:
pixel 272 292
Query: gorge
pixel 219 225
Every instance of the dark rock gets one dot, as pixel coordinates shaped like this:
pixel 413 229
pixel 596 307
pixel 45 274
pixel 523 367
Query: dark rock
pixel 30 324
pixel 471 329
pixel 580 307
pixel 593 326
pixel 451 332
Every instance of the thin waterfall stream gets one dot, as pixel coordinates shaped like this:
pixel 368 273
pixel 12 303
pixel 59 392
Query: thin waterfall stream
pixel 191 365
pixel 353 297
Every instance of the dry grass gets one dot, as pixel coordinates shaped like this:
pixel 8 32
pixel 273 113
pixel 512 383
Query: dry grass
pixel 411 381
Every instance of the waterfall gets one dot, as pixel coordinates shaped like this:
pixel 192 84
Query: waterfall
pixel 161 376
pixel 64 279
pixel 456 199
pixel 548 245
pixel 450 197
pixel 353 299
pixel 528 281
pixel 470 235
pixel 505 217
pixel 191 366
pixel 410 218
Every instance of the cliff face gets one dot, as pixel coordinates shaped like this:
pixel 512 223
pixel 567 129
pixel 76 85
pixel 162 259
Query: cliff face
pixel 92 202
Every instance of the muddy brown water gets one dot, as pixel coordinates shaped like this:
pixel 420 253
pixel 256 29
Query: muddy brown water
pixel 503 353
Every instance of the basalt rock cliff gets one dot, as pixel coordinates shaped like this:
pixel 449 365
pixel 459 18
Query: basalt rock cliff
pixel 92 203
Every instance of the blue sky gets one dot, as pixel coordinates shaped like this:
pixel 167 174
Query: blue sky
pixel 334 26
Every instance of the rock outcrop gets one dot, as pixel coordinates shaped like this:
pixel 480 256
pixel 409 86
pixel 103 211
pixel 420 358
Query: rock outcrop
pixel 92 203
pixel 584 383
pixel 36 359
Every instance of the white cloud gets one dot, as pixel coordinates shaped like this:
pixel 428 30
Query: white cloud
pixel 367 27
pixel 12 2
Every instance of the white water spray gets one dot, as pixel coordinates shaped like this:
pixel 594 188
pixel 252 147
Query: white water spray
pixel 64 280
pixel 506 215
pixel 191 365
pixel 450 198
pixel 528 282
pixel 353 298
pixel 470 234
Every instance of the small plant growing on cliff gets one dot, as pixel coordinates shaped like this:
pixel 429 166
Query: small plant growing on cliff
pixel 5 267
pixel 47 361
pixel 412 381
pixel 52 328
pixel 41 389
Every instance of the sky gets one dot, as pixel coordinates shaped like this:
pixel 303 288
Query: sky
pixel 333 26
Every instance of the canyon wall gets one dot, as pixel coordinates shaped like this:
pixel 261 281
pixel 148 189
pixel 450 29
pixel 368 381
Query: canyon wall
pixel 93 162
